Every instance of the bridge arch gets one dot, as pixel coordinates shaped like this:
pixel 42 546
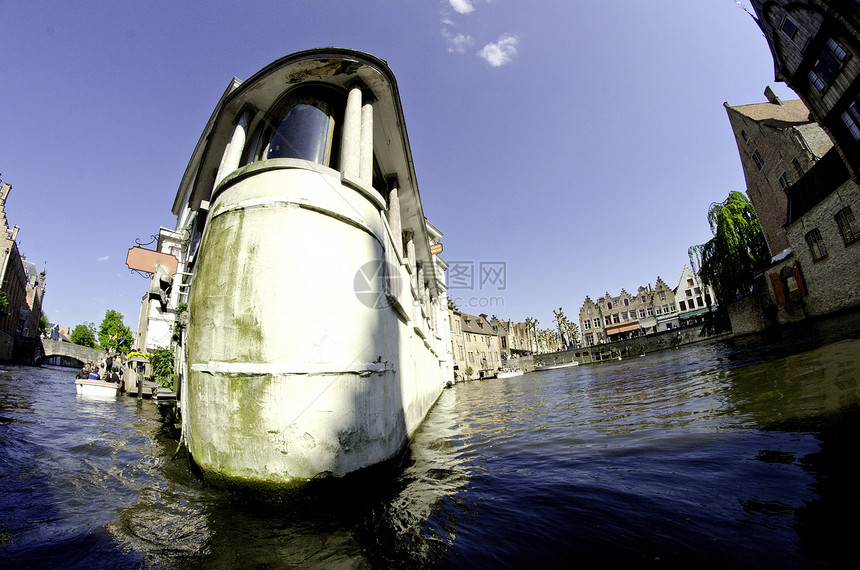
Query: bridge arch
pixel 68 351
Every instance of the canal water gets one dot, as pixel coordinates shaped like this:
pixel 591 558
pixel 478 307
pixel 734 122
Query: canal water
pixel 741 455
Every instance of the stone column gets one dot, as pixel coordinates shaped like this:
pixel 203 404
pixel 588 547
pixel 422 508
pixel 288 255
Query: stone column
pixel 366 153
pixel 394 214
pixel 350 153
pixel 422 297
pixel 233 152
pixel 410 256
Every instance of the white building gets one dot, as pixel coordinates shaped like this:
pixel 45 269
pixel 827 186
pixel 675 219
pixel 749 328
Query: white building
pixel 692 298
pixel 317 331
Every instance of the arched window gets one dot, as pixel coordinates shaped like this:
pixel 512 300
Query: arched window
pixel 305 123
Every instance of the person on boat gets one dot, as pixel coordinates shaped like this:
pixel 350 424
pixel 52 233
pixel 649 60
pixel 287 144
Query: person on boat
pixel 113 376
pixel 93 374
pixel 85 370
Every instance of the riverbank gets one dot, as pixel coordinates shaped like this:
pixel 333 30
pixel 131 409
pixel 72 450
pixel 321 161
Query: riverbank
pixel 818 332
pixel 619 350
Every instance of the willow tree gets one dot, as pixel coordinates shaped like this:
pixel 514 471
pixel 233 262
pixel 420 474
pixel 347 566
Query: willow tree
pixel 729 261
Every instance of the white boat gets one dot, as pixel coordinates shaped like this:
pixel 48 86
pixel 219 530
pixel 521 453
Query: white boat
pixel 505 373
pixel 321 349
pixel 96 388
pixel 556 366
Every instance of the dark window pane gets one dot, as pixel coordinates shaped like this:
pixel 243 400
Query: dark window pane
pixel 305 132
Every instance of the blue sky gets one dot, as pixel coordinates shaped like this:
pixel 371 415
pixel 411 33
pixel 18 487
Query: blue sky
pixel 578 143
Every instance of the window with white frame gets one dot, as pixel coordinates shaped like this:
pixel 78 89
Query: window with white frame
pixel 826 67
pixel 848 228
pixel 816 245
pixel 851 118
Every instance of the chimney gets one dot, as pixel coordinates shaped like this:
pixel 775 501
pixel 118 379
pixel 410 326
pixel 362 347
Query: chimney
pixel 771 96
pixel 14 232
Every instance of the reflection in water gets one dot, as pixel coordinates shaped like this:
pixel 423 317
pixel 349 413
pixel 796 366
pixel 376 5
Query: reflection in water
pixel 740 455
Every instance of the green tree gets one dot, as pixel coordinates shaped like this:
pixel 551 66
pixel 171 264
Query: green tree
pixel 729 261
pixel 44 325
pixel 4 303
pixel 162 366
pixel 85 335
pixel 114 334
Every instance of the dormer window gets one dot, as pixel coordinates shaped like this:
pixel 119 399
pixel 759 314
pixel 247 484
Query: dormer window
pixel 789 28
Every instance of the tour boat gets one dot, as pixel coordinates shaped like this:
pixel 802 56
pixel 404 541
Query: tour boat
pixel 556 366
pixel 506 373
pixel 96 388
pixel 317 337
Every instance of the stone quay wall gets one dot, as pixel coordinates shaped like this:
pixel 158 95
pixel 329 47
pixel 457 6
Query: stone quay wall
pixel 631 348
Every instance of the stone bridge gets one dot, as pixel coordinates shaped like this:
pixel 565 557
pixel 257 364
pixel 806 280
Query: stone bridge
pixel 67 353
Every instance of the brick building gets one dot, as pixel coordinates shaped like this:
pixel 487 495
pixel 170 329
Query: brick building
pixel 815 47
pixel 24 288
pixel 778 143
pixel 815 44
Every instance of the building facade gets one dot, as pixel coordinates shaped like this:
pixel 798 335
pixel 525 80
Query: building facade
pixel 615 317
pixel 649 310
pixel 778 143
pixel 482 346
pixel 316 302
pixel 693 299
pixel 815 47
pixel 663 307
pixel 24 288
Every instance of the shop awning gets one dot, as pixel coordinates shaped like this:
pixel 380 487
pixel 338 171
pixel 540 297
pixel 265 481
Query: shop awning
pixel 695 313
pixel 626 327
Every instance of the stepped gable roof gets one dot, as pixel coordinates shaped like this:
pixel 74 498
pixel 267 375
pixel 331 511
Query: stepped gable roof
pixel 789 113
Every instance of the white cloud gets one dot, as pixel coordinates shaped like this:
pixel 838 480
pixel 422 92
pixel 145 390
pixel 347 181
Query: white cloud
pixel 500 52
pixel 103 258
pixel 459 43
pixel 461 6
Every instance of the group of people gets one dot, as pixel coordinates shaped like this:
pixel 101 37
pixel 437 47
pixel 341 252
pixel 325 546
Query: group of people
pixel 107 370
